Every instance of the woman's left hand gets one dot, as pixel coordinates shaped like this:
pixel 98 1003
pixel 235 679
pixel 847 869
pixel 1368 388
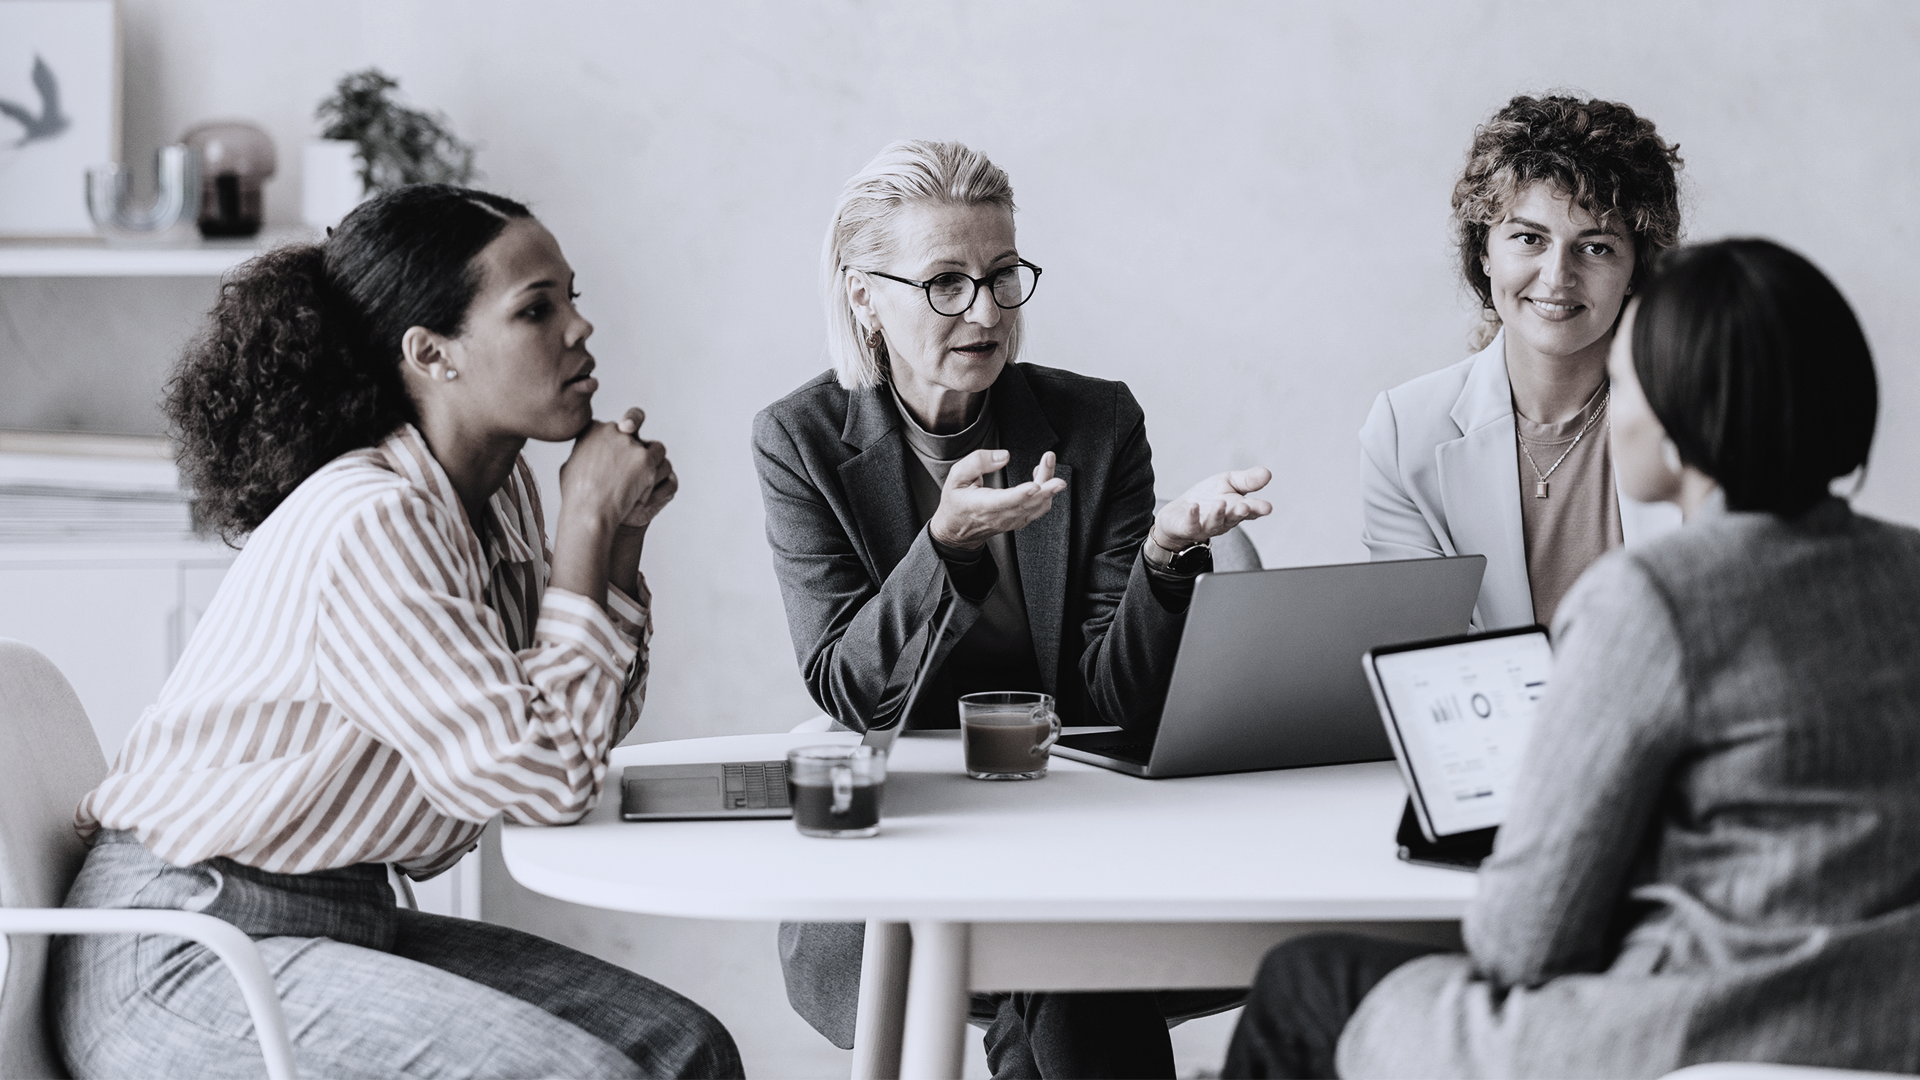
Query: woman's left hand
pixel 664 488
pixel 1210 508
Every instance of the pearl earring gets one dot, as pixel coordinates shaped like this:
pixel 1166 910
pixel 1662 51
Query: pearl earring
pixel 874 340
pixel 452 375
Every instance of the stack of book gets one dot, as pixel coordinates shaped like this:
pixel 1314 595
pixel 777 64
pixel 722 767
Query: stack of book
pixel 57 490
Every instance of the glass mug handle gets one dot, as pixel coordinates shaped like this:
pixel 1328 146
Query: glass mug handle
pixel 842 790
pixel 1053 731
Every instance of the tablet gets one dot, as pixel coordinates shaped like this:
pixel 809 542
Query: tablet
pixel 1459 712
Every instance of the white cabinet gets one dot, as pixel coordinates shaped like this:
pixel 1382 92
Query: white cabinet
pixel 113 611
pixel 113 617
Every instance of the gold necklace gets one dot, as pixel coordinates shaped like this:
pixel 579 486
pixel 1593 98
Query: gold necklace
pixel 1540 487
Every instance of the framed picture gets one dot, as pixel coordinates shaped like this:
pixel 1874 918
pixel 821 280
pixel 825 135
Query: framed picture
pixel 59 111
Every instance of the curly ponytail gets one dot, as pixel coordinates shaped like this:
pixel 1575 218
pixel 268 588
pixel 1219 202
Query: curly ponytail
pixel 300 360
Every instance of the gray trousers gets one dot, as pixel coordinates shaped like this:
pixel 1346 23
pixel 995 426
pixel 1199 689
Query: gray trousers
pixel 1306 991
pixel 1029 1036
pixel 369 989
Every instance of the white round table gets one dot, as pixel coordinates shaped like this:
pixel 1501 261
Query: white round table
pixel 1087 879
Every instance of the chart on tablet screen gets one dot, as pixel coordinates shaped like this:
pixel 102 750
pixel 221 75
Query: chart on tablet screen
pixel 1466 711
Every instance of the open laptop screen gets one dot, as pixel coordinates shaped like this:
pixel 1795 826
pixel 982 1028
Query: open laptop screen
pixel 1460 711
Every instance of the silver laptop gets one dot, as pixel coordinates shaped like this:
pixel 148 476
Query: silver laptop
pixel 734 789
pixel 1266 676
pixel 716 790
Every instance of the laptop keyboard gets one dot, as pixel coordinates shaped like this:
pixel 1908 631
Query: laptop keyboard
pixel 1140 752
pixel 756 785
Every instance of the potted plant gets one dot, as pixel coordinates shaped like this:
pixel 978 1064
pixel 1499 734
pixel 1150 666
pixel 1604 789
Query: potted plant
pixel 397 145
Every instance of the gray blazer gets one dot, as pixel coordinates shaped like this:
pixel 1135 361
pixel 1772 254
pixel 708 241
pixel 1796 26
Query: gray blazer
pixel 867 597
pixel 1714 848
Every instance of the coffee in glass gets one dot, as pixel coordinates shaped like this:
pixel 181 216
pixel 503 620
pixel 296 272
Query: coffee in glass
pixel 1006 734
pixel 836 790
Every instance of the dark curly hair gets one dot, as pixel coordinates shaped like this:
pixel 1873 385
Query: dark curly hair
pixel 1759 371
pixel 300 359
pixel 1604 156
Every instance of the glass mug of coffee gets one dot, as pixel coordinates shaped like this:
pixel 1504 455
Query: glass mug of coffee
pixel 835 790
pixel 1006 734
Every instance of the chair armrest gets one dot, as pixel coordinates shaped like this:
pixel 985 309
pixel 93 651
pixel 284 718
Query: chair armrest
pixel 1755 1070
pixel 227 941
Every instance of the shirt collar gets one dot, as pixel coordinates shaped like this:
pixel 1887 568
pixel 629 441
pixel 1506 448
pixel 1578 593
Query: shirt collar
pixel 501 537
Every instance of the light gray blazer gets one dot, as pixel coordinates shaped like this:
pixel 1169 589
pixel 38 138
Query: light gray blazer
pixel 1439 476
pixel 1714 849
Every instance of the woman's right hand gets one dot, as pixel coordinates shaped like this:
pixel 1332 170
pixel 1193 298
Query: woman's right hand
pixel 613 472
pixel 970 511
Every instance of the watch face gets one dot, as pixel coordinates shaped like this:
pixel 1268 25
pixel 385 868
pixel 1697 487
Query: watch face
pixel 1194 560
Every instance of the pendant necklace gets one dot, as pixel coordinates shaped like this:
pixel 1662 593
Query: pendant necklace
pixel 1540 486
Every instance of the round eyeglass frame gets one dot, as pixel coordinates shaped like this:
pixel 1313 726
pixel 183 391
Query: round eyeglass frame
pixel 926 287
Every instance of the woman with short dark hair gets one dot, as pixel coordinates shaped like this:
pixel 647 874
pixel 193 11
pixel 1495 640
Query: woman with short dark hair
pixel 1713 842
pixel 1561 208
pixel 395 658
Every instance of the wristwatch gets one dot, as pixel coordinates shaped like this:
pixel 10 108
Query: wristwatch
pixel 1186 563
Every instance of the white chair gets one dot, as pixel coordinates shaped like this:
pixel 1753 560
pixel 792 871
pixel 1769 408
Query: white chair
pixel 1753 1070
pixel 1233 551
pixel 49 758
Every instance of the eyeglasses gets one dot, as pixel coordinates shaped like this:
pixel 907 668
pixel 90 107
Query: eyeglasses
pixel 953 293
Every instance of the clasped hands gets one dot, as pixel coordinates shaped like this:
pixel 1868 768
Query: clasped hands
pixel 623 478
pixel 970 512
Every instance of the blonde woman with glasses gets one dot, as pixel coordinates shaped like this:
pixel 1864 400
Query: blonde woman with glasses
pixel 946 520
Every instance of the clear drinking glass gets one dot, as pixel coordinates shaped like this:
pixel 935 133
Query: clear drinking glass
pixel 836 790
pixel 1006 734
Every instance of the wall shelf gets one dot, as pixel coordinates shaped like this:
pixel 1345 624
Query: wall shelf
pixel 21 260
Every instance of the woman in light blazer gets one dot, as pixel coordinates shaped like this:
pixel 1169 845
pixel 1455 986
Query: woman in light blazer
pixel 1714 842
pixel 1560 210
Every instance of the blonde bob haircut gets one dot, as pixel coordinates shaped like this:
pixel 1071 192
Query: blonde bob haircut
pixel 861 236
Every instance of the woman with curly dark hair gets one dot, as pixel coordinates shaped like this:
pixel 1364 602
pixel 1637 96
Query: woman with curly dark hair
pixel 1562 206
pixel 395 658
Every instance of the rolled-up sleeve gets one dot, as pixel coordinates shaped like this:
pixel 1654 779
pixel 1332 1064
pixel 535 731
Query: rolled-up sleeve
pixel 409 650
pixel 633 617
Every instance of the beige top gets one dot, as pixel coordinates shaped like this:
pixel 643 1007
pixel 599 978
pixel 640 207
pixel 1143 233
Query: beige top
pixel 375 680
pixel 996 653
pixel 1579 518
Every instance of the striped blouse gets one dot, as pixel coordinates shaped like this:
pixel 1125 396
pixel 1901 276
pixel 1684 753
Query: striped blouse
pixel 373 682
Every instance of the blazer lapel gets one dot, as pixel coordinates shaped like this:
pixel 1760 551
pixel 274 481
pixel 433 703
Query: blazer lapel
pixel 1041 549
pixel 882 521
pixel 1479 479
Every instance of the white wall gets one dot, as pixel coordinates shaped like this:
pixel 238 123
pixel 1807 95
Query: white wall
pixel 1241 209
